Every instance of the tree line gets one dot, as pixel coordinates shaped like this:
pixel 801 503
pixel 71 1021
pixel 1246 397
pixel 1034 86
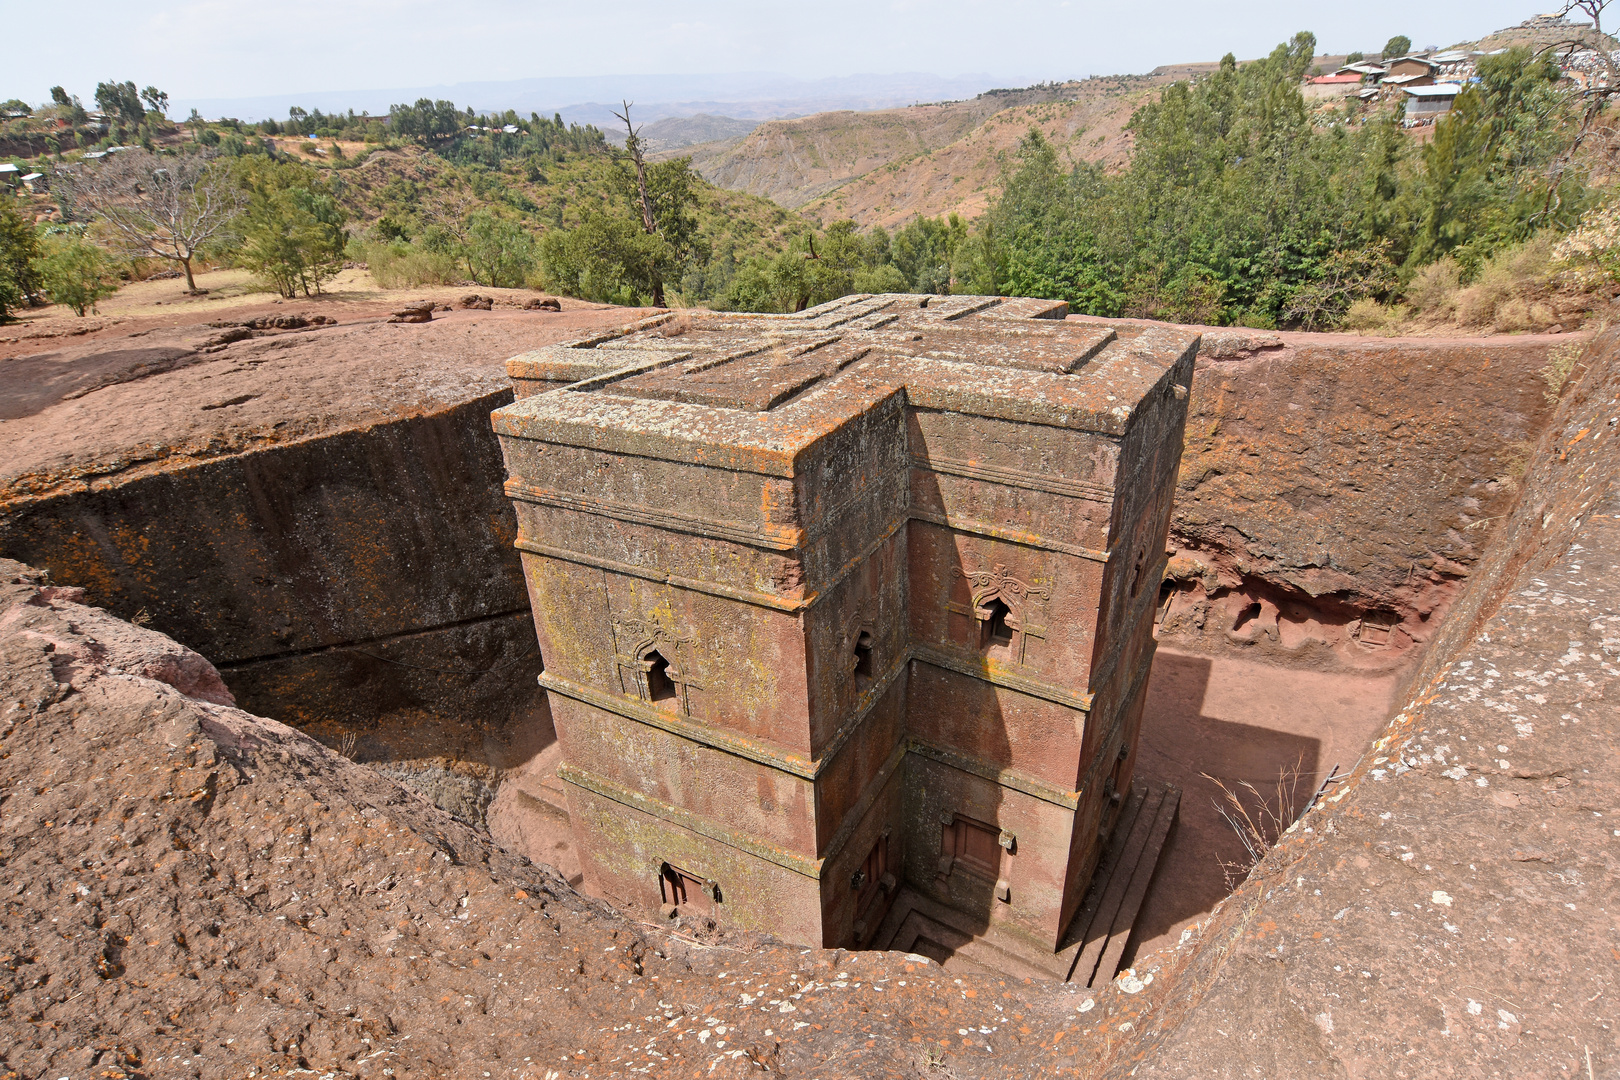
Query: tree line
pixel 1240 204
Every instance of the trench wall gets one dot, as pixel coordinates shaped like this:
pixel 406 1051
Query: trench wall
pixel 361 584
pixel 1337 493
pixel 1447 903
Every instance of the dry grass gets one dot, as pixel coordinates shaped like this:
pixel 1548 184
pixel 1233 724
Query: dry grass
pixel 1258 820
pixel 1538 286
pixel 400 266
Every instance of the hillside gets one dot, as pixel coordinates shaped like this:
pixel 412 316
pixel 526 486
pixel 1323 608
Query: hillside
pixel 934 158
pixel 674 132
pixel 961 176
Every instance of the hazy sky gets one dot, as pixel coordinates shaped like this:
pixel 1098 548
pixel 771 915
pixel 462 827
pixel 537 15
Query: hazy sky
pixel 231 48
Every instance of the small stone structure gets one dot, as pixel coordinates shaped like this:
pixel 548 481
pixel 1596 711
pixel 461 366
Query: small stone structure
pixel 842 602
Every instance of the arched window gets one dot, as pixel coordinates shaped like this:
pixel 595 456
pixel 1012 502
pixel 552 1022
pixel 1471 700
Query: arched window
pixel 863 655
pixel 660 687
pixel 993 628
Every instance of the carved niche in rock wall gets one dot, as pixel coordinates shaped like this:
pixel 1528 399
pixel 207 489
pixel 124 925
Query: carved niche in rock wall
pixel 858 644
pixel 1005 608
pixel 655 664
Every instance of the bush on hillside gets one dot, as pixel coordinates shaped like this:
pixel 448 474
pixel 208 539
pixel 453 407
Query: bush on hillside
pixel 76 273
pixel 398 264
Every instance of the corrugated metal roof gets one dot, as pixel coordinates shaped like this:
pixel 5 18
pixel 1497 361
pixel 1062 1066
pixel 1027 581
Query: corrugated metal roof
pixel 1436 91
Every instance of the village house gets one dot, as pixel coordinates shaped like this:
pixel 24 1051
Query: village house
pixel 1411 65
pixel 1367 72
pixel 1331 86
pixel 1425 104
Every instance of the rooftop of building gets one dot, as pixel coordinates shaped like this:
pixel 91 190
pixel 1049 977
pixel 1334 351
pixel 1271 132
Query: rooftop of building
pixel 756 390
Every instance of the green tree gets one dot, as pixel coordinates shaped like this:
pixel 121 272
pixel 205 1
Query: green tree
pixel 1397 46
pixel 924 250
pixel 1234 201
pixel 69 107
pixel 813 269
pixel 427 121
pixel 498 251
pixel 121 101
pixel 292 230
pixel 156 100
pixel 19 255
pixel 76 273
pixel 615 256
pixel 608 258
pixel 1041 234
pixel 1485 179
pixel 662 197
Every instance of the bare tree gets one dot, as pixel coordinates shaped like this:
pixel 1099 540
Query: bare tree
pixel 156 207
pixel 1586 42
pixel 1592 8
pixel 632 146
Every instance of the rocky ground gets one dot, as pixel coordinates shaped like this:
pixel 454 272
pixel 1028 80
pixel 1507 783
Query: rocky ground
pixel 1449 910
pixel 193 891
pixel 162 379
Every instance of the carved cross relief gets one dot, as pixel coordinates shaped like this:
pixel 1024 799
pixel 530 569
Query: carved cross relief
pixel 1003 608
pixel 655 664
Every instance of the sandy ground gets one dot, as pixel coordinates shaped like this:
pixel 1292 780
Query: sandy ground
pixel 1239 721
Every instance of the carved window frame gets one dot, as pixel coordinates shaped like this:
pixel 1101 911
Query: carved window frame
pixel 637 640
pixel 1020 598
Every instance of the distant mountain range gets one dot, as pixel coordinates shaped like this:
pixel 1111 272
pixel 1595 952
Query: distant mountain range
pixel 675 132
pixel 592 99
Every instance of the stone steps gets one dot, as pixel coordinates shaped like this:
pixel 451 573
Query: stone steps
pixel 1102 927
pixel 1097 935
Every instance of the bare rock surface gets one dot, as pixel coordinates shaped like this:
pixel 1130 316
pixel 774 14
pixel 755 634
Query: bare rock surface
pixel 1450 910
pixel 164 395
pixel 1332 483
pixel 193 891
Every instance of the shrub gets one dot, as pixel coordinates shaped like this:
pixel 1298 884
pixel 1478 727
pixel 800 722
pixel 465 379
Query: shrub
pixel 1506 293
pixel 76 273
pixel 1433 289
pixel 19 253
pixel 397 264
pixel 1368 316
pixel 885 278
pixel 499 252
